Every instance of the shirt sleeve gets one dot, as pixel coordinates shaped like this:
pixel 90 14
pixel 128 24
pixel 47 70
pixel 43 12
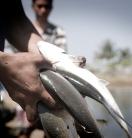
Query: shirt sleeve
pixel 60 38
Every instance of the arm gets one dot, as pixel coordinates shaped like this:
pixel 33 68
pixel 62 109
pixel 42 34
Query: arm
pixel 19 72
pixel 17 28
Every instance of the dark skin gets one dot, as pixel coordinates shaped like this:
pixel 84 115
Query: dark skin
pixel 19 72
pixel 42 9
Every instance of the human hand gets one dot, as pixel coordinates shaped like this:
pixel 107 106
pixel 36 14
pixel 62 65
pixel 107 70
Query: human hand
pixel 19 74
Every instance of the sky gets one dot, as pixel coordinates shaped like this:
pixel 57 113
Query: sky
pixel 89 23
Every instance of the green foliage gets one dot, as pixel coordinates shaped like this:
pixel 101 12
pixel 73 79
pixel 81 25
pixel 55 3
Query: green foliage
pixel 125 54
pixel 107 51
pixel 112 58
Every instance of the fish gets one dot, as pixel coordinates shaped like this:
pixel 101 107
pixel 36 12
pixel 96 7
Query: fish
pixel 56 123
pixel 83 80
pixel 66 94
pixel 111 107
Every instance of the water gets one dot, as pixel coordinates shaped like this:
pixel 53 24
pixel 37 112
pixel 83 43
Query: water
pixel 110 129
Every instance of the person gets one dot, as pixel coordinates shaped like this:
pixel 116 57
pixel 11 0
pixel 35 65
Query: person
pixel 19 72
pixel 49 31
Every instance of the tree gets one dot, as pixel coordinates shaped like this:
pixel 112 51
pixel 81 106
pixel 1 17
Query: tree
pixel 125 53
pixel 107 51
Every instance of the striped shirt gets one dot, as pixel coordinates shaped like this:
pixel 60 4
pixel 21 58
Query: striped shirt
pixel 52 34
pixel 55 35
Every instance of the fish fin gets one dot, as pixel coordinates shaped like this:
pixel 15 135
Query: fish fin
pixel 104 82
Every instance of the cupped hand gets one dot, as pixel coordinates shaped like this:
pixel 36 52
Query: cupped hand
pixel 19 74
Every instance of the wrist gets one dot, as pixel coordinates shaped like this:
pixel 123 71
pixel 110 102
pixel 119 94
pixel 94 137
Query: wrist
pixel 32 45
pixel 2 57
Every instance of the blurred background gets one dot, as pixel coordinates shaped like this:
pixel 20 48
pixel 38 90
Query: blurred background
pixel 90 23
pixel 100 30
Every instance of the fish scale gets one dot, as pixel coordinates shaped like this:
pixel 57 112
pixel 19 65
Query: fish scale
pixel 71 99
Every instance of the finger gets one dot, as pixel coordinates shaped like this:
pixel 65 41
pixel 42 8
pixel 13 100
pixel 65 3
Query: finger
pixel 48 99
pixel 31 112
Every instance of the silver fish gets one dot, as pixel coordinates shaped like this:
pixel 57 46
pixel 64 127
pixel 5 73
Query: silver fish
pixel 87 90
pixel 56 123
pixel 71 99
pixel 91 85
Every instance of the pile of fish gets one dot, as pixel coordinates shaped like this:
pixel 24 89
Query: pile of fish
pixel 68 84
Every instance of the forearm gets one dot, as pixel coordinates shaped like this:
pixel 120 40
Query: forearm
pixel 23 35
pixel 17 28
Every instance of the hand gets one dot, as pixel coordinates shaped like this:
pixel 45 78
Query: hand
pixel 19 74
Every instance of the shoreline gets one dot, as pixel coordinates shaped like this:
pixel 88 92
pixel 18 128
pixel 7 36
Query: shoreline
pixel 118 80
